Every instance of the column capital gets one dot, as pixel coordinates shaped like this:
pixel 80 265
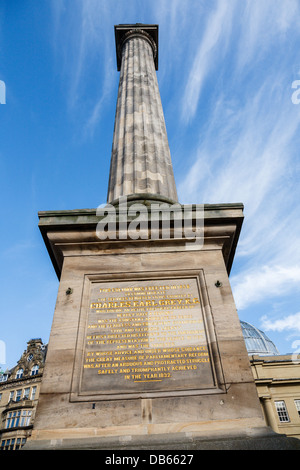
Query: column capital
pixel 124 32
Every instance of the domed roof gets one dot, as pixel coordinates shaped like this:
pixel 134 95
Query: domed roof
pixel 257 342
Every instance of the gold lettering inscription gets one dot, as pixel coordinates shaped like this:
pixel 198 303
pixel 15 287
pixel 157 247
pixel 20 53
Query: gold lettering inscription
pixel 146 333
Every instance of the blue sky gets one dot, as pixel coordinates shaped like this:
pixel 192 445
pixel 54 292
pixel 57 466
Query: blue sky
pixel 226 71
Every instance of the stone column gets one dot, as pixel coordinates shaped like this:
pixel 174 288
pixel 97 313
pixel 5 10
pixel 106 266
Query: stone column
pixel 269 413
pixel 140 160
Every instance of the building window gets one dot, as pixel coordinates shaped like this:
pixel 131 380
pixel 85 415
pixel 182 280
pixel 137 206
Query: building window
pixel 33 392
pixel 18 419
pixel 26 393
pixel 6 444
pixel 11 395
pixel 13 419
pixel 18 395
pixel 20 443
pixel 12 444
pixel 0 396
pixel 297 404
pixel 282 411
pixel 25 418
pixel 19 373
pixel 35 370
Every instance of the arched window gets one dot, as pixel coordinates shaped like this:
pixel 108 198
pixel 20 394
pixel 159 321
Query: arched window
pixel 19 373
pixel 35 370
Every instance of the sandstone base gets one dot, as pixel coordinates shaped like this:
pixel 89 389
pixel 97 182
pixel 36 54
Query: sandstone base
pixel 172 442
pixel 186 381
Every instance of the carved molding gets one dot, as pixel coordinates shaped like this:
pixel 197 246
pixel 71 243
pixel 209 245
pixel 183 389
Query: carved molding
pixel 137 33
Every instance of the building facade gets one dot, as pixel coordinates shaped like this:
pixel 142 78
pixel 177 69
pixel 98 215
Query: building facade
pixel 19 393
pixel 277 380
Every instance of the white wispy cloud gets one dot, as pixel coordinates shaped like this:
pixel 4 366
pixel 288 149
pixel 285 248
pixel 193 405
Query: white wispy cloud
pixel 84 40
pixel 264 282
pixel 243 157
pixel 248 148
pixel 287 323
pixel 248 28
pixel 213 41
pixel 263 23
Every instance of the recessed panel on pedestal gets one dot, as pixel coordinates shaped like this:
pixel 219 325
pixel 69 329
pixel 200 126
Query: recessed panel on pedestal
pixel 144 336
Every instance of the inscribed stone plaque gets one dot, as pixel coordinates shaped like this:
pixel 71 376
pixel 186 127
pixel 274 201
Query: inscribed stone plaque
pixel 145 336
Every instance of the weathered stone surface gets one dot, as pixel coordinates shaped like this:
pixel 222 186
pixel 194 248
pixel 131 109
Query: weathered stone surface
pixel 72 406
pixel 171 442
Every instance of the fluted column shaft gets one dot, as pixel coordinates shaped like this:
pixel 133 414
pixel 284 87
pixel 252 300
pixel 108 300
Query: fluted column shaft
pixel 140 159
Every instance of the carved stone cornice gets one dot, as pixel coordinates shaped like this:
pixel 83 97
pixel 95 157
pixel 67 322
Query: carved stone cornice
pixel 23 381
pixel 136 33
pixel 125 32
pixel 16 405
pixel 67 233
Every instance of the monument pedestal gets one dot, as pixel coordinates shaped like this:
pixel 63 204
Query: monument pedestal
pixel 146 348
